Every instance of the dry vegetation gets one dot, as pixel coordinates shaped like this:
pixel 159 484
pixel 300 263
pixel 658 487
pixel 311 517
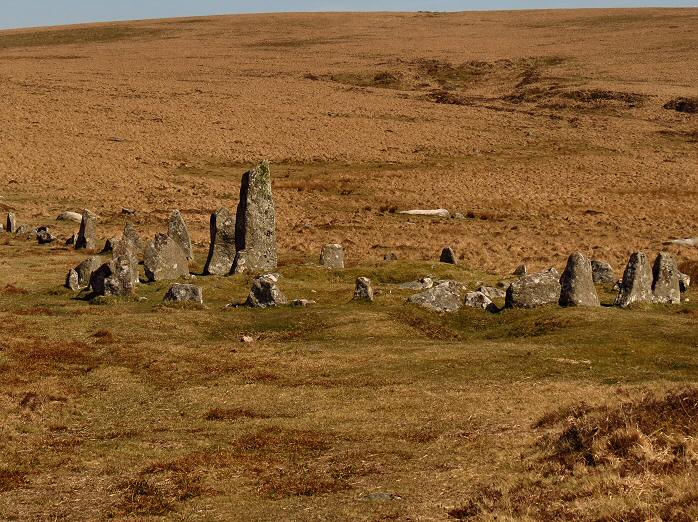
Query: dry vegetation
pixel 550 132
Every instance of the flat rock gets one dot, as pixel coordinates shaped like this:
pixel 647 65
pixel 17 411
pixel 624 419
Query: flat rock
pixel 265 292
pixel 577 283
pixel 301 303
pixel 438 212
pixel 636 286
pixel 448 256
pixel 666 279
pixel 689 242
pixel 184 293
pixel 332 256
pixel 363 290
pixel 492 292
pixel 87 236
pixel 423 284
pixel 221 253
pixel 447 296
pixel 480 300
pixel 534 290
pixel 69 216
pixel 177 230
pixel 602 272
pixel 164 259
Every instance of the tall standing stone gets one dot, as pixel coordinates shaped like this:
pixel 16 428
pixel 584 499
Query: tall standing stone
pixel 79 277
pixel 255 228
pixel 221 253
pixel 448 256
pixel 11 227
pixel 164 260
pixel 87 236
pixel 636 286
pixel 363 290
pixel 577 283
pixel 332 256
pixel 177 230
pixel 666 282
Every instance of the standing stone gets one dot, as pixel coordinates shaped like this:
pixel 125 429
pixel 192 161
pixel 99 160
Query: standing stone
pixel 23 230
pixel 265 292
pixel 87 236
pixel 447 296
pixel 636 286
pixel 80 276
pixel 184 293
pixel 2 227
pixel 448 256
pixel 363 290
pixel 684 283
pixel 332 256
pixel 125 248
pixel 11 223
pixel 71 240
pixel 521 270
pixel 666 282
pixel 133 240
pixel 602 272
pixel 177 230
pixel 221 253
pixel 71 280
pixel 164 260
pixel 577 283
pixel 255 228
pixel 534 290
pixel 109 245
pixel 114 278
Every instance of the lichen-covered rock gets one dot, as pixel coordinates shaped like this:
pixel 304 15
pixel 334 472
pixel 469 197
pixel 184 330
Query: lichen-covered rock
pixel 602 272
pixel 363 290
pixel 24 231
pixel 448 256
pixel 69 216
pixel 492 292
pixel 44 236
pixel 480 300
pixel 185 293
pixel 109 245
pixel 666 280
pixel 80 276
pixel 87 236
pixel 636 286
pixel 577 283
pixel 265 292
pixel 71 280
pixel 534 290
pixel 114 278
pixel 255 227
pixel 447 296
pixel 332 256
pixel 11 224
pixel 164 259
pixel 126 248
pixel 177 230
pixel 133 240
pixel 423 284
pixel 684 282
pixel 521 270
pixel 221 253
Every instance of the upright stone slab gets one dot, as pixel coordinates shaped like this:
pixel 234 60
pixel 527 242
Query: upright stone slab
pixel 602 272
pixel 177 230
pixel 265 292
pixel 164 260
pixel 221 253
pixel 255 228
pixel 666 281
pixel 133 240
pixel 577 283
pixel 332 256
pixel 448 256
pixel 534 290
pixel 636 286
pixel 363 290
pixel 126 248
pixel 114 278
pixel 80 276
pixel 87 236
pixel 11 227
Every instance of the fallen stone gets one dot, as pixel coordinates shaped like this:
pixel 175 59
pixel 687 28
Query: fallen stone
pixel 164 260
pixel 689 242
pixel 69 216
pixel 602 272
pixel 636 286
pixel 577 283
pixel 221 253
pixel 684 283
pixel 492 292
pixel 423 284
pixel 302 302
pixel 114 278
pixel 447 296
pixel 87 236
pixel 265 292
pixel 448 256
pixel 177 230
pixel 666 279
pixel 534 290
pixel 44 236
pixel 11 226
pixel 363 290
pixel 521 270
pixel 439 212
pixel 255 227
pixel 332 256
pixel 184 293
pixel 480 300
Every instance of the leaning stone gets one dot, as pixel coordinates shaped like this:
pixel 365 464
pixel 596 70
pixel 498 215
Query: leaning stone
pixel 177 230
pixel 480 300
pixel 666 282
pixel 221 253
pixel 69 216
pixel 602 272
pixel 423 284
pixel 164 259
pixel 521 270
pixel 447 296
pixel 114 278
pixel 684 282
pixel 534 290
pixel 265 292
pixel 44 236
pixel 11 227
pixel 448 256
pixel 332 256
pixel 255 227
pixel 184 293
pixel 87 236
pixel 363 290
pixel 577 283
pixel 636 286
pixel 71 240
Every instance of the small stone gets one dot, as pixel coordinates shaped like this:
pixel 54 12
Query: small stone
pixel 480 300
pixel 534 290
pixel 265 292
pixel 447 296
pixel 363 290
pixel 221 253
pixel 423 284
pixel 577 283
pixel 11 227
pixel 302 302
pixel 636 286
pixel 87 236
pixel 184 293
pixel 69 216
pixel 332 256
pixel 684 282
pixel 177 230
pixel 246 339
pixel 390 256
pixel 666 282
pixel 602 272
pixel 164 260
pixel 448 256
pixel 521 270
pixel 44 236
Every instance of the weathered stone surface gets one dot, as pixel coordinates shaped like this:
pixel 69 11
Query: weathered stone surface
pixel 126 248
pixel 636 286
pixel 689 242
pixel 114 278
pixel 332 256
pixel 44 236
pixel 602 272
pixel 492 292
pixel 87 236
pixel 480 300
pixel 684 283
pixel 185 293
pixel 521 270
pixel 177 230
pixel 80 276
pixel 577 283
pixel 448 256
pixel 265 292
pixel 24 231
pixel 423 284
pixel 363 290
pixel 2 227
pixel 11 224
pixel 534 290
pixel 437 212
pixel 255 227
pixel 390 256
pixel 109 245
pixel 69 216
pixel 71 240
pixel 133 240
pixel 71 280
pixel 447 296
pixel 164 260
pixel 221 253
pixel 666 281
